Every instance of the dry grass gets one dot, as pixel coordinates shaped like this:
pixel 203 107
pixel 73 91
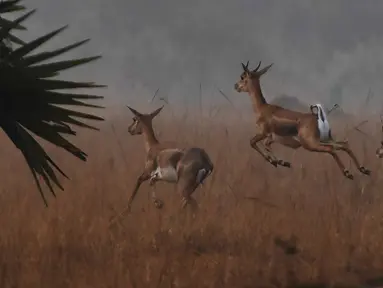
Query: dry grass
pixel 304 225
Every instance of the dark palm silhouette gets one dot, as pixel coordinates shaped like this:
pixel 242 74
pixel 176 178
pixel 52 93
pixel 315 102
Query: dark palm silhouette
pixel 30 93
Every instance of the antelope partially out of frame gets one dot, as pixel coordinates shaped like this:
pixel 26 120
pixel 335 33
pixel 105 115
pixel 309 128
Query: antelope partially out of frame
pixel 188 168
pixel 379 151
pixel 289 128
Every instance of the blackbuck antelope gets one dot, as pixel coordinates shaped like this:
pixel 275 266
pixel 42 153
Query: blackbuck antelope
pixel 290 128
pixel 188 168
pixel 379 151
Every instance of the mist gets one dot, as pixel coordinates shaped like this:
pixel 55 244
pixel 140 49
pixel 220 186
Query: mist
pixel 323 51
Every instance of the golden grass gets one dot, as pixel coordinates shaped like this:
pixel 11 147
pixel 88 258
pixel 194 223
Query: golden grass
pixel 307 224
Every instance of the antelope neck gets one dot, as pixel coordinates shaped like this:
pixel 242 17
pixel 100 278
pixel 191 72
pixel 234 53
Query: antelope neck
pixel 256 95
pixel 149 138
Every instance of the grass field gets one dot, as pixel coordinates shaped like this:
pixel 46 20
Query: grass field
pixel 257 226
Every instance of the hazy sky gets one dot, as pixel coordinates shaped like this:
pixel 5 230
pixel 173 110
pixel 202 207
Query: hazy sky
pixel 317 47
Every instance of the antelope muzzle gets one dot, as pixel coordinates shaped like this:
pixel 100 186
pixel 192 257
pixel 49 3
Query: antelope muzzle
pixel 131 130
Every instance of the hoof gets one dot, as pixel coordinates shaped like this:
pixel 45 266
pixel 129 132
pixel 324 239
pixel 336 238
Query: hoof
pixel 158 203
pixel 364 170
pixel 184 202
pixel 348 174
pixel 284 163
pixel 272 162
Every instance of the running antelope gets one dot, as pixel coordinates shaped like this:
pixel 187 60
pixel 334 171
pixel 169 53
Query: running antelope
pixel 188 168
pixel 379 151
pixel 289 128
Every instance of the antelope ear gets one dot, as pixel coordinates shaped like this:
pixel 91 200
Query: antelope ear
pixel 135 112
pixel 264 70
pixel 156 112
pixel 314 110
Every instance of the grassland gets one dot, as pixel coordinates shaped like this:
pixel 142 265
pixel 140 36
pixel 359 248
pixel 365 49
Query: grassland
pixel 257 226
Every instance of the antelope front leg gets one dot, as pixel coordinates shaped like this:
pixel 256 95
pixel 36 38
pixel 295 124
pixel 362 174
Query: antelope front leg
pixel 254 144
pixel 143 177
pixel 267 143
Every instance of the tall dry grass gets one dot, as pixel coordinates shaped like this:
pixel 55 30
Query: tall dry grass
pixel 257 226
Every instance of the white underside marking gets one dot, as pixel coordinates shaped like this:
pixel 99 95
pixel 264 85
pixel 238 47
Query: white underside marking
pixel 168 174
pixel 323 124
pixel 324 130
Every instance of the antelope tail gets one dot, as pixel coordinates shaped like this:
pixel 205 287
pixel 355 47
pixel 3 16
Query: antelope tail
pixel 203 174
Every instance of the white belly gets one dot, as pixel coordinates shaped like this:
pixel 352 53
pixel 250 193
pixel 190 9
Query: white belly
pixel 168 174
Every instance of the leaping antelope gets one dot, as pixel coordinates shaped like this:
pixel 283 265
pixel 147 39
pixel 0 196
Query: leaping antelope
pixel 379 151
pixel 188 168
pixel 289 128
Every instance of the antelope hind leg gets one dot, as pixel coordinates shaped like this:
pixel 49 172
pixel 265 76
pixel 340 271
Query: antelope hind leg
pixel 186 186
pixel 338 145
pixel 316 146
pixel 158 203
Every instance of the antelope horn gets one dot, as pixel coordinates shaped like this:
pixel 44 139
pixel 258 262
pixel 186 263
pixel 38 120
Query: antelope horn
pixel 259 65
pixel 245 67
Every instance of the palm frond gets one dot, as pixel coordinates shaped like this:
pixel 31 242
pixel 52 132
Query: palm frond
pixel 10 6
pixel 7 7
pixel 29 102
pixel 28 47
pixel 40 57
pixel 6 28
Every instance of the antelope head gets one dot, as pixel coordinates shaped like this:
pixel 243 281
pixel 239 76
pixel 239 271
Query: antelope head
pixel 318 111
pixel 141 121
pixel 249 76
pixel 379 151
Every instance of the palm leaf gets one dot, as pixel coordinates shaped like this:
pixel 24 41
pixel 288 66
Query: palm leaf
pixel 5 22
pixel 40 57
pixel 28 101
pixel 52 68
pixel 10 6
pixel 6 28
pixel 15 39
pixel 7 7
pixel 28 47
